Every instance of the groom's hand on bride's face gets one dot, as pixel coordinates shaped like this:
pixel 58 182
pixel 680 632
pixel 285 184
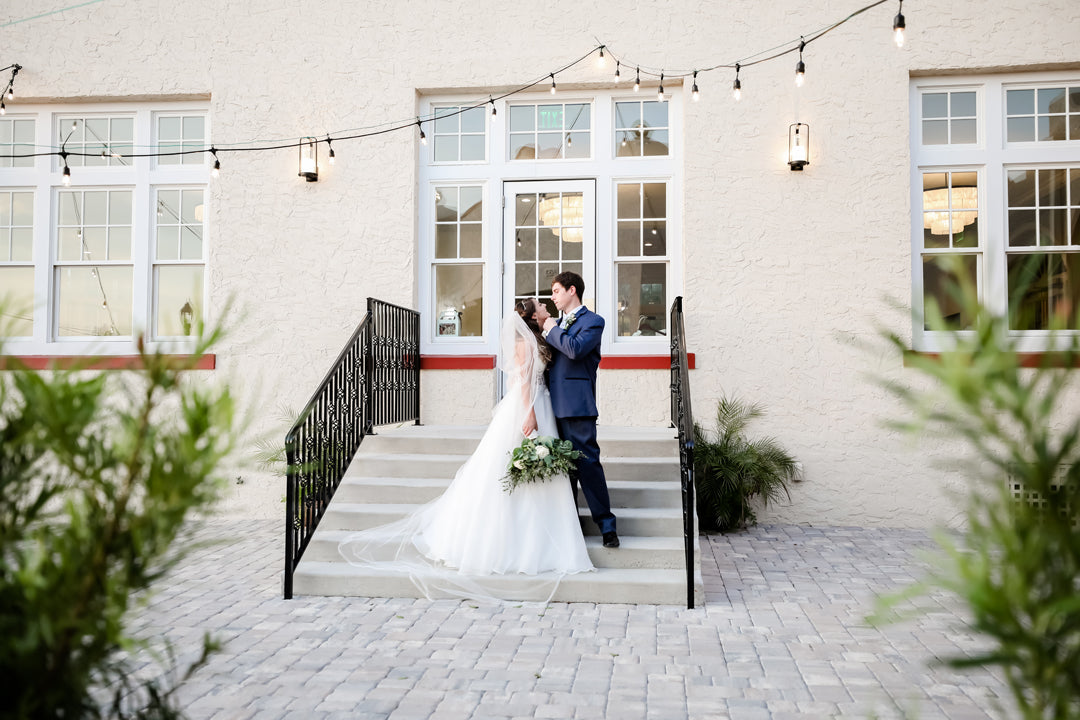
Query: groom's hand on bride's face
pixel 550 323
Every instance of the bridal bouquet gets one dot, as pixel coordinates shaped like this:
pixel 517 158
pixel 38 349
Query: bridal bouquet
pixel 537 459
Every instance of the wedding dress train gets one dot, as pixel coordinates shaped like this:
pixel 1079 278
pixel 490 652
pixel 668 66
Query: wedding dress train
pixel 477 540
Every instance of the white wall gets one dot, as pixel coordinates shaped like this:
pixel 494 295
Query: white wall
pixel 787 274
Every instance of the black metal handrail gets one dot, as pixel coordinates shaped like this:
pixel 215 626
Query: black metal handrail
pixel 682 417
pixel 374 381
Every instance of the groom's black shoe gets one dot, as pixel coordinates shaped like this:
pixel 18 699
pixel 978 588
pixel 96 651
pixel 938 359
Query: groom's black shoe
pixel 611 540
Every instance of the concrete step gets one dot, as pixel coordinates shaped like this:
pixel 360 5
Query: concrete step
pixel 606 585
pixel 462 439
pixel 431 465
pixel 650 522
pixel 635 552
pixel 355 489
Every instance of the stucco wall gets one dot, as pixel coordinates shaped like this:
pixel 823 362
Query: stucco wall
pixel 787 275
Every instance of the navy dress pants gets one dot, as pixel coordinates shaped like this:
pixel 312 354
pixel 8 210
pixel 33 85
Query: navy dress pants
pixel 581 432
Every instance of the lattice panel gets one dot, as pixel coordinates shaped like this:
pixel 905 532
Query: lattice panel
pixel 1035 499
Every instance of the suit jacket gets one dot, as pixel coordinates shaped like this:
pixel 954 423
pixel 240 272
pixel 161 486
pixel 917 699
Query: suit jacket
pixel 575 357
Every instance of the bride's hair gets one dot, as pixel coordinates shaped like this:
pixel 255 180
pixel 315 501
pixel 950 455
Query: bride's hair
pixel 526 309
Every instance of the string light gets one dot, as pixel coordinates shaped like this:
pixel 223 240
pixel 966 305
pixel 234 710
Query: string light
pixel 216 170
pixel 423 137
pixel 736 87
pixel 898 26
pixel 331 147
pixel 617 78
pixel 660 90
pixel 3 108
pixel 637 80
pixel 695 94
pixel 552 83
pixel 800 67
pixel 494 112
pixel 601 61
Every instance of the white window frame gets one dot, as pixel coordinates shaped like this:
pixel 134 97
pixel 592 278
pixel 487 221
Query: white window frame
pixel 143 175
pixel 603 167
pixel 992 157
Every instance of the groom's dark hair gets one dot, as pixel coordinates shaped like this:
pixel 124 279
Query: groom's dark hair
pixel 570 279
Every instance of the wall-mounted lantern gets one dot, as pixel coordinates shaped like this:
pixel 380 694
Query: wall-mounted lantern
pixel 798 146
pixel 309 159
pixel 187 317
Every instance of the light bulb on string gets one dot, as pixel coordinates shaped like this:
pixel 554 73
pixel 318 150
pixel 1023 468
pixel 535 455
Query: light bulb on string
pixel 736 87
pixel 66 177
pixel 660 90
pixel 637 80
pixel 617 78
pixel 601 61
pixel 216 170
pixel 694 92
pixel 420 127
pixel 10 92
pixel 3 108
pixel 494 112
pixel 331 147
pixel 898 26
pixel 552 83
pixel 800 67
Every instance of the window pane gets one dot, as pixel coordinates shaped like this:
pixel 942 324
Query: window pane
pixel 578 117
pixel 629 238
pixel 120 243
pixel 17 296
pixel 179 292
pixel 572 239
pixel 1074 181
pixel 472 147
pixel 193 128
pixel 1051 100
pixel 656 142
pixel 629 205
pixel 963 104
pixel 459 300
pixel 472 120
pixel 1074 127
pixel 94 243
pixel 447 120
pixel 522 118
pixel 1043 289
pixel 22 244
pixel 522 147
pixel 1021 129
pixel 548 244
pixel 655 238
pixel 445 241
pixel 446 148
pixel 526 244
pixel 120 207
pixel 642 299
pixel 525 284
pixel 627 114
pixel 935 132
pixel 190 206
pixel 1021 228
pixel 22 208
pixel 654 200
pixel 69 244
pixel 1074 99
pixel 963 131
pixel 526 210
pixel 1052 227
pixel 94 301
pixel 549 145
pixel 191 242
pixel 941 288
pixel 935 105
pixel 577 145
pixel 168 242
pixel 95 208
pixel 1021 188
pixel 471 240
pixel 1052 127
pixel 1052 187
pixel 1020 102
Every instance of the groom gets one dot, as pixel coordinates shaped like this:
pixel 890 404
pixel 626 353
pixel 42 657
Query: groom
pixel 575 340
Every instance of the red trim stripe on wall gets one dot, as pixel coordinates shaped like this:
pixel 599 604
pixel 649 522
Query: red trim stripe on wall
pixel 610 362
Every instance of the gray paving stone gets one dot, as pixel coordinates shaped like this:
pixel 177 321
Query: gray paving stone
pixel 782 635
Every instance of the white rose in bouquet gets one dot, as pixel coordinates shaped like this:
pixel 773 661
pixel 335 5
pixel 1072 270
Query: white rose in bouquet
pixel 542 452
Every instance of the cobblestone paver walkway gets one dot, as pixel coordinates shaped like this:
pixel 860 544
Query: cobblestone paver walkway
pixel 782 635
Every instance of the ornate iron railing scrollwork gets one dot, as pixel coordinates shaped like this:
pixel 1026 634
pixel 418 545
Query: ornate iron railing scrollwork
pixel 374 381
pixel 682 418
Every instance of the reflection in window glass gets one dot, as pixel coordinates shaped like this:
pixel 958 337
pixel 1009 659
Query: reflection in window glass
pixel 943 277
pixel 178 267
pixel 950 210
pixel 106 140
pixel 1046 114
pixel 550 131
pixel 1044 290
pixel 949 117
pixel 642 301
pixel 641 128
pixel 549 234
pixel 177 133
pixel 459 134
pixel 459 300
pixel 178 293
pixel 1041 209
pixel 459 215
pixel 641 233
pixel 16 301
pixel 95 301
pixel 16 138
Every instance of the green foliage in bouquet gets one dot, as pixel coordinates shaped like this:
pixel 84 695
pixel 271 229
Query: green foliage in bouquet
pixel 538 459
pixel 1016 563
pixel 95 487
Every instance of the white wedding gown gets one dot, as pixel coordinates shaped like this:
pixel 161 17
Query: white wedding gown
pixel 477 540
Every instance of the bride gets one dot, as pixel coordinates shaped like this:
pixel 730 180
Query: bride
pixel 477 540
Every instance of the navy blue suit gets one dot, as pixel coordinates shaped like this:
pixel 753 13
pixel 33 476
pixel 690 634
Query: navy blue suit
pixel 571 374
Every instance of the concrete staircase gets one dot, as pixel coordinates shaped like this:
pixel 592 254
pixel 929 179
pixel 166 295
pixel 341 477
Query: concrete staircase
pixel 402 467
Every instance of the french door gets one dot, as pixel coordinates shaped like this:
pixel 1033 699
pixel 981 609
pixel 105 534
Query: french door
pixel 548 226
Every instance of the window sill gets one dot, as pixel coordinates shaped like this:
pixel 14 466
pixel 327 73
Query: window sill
pixel 608 362
pixel 108 362
pixel 1027 359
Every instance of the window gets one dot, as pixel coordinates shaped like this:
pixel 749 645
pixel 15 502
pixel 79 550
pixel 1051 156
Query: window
pixel 549 132
pixel 1000 214
pixel 119 252
pixel 460 134
pixel 641 259
pixel 16 138
pixel 459 267
pixel 641 128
